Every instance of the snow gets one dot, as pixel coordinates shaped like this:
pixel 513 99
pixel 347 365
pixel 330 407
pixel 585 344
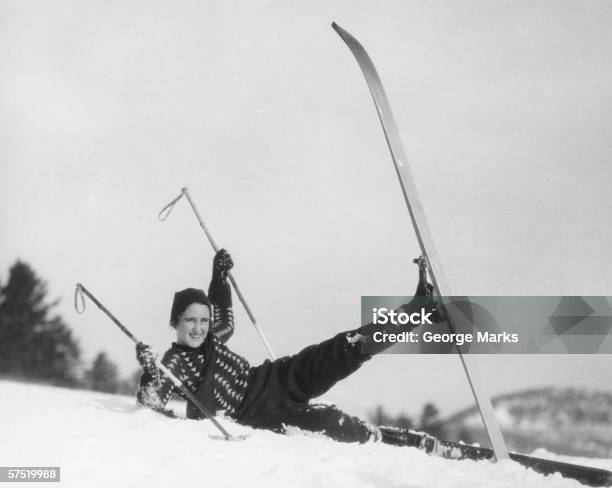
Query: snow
pixel 105 440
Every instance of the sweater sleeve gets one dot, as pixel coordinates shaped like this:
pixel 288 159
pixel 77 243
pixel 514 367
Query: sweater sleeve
pixel 155 388
pixel 220 295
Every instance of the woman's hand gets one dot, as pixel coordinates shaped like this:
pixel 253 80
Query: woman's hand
pixel 222 263
pixel 146 356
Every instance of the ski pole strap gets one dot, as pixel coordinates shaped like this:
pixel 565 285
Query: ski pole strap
pixel 79 299
pixel 82 290
pixel 165 212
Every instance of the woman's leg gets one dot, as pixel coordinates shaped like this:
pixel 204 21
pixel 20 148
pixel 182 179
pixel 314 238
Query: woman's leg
pixel 331 422
pixel 339 426
pixel 315 369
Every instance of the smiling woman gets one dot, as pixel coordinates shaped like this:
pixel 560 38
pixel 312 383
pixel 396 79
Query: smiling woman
pixel 274 395
pixel 192 326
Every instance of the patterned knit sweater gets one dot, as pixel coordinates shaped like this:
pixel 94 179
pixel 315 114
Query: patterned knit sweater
pixel 213 373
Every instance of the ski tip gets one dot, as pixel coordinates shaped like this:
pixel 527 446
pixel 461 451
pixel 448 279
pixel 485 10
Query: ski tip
pixel 344 35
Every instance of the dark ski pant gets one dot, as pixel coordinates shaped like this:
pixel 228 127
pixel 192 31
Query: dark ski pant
pixel 278 392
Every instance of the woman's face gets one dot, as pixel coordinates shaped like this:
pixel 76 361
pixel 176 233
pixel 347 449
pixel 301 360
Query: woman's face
pixel 193 325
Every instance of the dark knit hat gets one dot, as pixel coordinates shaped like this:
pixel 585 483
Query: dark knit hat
pixel 184 298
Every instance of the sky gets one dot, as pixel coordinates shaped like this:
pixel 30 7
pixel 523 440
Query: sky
pixel 108 109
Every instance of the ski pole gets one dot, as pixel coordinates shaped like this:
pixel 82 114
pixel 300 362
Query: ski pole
pixel 80 290
pixel 163 215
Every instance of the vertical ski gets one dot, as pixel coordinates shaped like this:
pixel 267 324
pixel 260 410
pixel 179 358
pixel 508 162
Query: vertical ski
pixel 421 228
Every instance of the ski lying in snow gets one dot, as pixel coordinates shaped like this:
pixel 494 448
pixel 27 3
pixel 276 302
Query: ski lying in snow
pixel 421 229
pixel 456 450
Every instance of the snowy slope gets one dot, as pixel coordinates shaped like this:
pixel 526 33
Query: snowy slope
pixel 104 440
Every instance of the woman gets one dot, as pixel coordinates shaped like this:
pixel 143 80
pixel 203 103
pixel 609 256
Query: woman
pixel 274 395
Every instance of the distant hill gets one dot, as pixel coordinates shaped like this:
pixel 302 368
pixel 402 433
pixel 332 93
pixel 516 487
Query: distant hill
pixel 566 421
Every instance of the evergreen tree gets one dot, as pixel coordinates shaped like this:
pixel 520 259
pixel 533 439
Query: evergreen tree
pixel 34 343
pixel 403 421
pixel 103 375
pixel 380 417
pixel 429 416
pixel 431 422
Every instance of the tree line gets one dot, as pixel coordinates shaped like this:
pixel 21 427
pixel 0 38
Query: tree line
pixel 428 421
pixel 37 345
